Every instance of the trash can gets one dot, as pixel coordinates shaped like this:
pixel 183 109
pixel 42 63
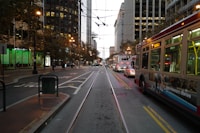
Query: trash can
pixel 48 84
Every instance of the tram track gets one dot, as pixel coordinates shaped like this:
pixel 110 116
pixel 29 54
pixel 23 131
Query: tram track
pixel 116 105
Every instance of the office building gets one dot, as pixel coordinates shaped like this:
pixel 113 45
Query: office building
pixel 119 29
pixel 62 16
pixel 141 18
pixel 178 9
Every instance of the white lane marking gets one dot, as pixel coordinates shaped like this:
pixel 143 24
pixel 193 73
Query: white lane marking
pixel 72 79
pixel 35 84
pixel 68 86
pixel 77 90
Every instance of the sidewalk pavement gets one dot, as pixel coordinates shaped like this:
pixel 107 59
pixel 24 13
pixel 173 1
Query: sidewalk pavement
pixel 13 75
pixel 31 114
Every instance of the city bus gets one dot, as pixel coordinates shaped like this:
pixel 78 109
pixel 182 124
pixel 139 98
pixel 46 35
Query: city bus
pixel 168 65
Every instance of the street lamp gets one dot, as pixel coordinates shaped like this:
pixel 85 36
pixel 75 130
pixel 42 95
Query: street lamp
pixel 37 13
pixel 196 7
pixel 71 45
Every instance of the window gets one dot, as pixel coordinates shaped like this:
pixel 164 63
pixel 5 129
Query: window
pixel 155 59
pixel 172 59
pixel 193 54
pixel 57 14
pixel 52 14
pixel 145 57
pixel 61 15
pixel 168 42
pixel 177 39
pixel 47 14
pixel 195 33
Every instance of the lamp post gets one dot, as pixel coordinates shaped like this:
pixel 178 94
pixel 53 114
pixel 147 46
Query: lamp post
pixel 37 13
pixel 71 43
pixel 197 7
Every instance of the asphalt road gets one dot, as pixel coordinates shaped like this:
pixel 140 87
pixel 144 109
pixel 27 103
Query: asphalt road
pixel 142 113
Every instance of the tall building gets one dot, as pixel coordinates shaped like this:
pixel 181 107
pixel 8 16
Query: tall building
pixel 62 16
pixel 178 9
pixel 141 17
pixel 89 22
pixel 66 18
pixel 119 29
pixel 112 50
pixel 69 17
pixel 83 21
pixel 144 18
pixel 86 12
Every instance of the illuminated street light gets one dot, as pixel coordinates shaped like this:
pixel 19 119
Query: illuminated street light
pixel 71 39
pixel 197 7
pixel 37 13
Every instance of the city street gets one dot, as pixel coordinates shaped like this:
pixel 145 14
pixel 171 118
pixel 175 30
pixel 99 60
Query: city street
pixel 102 100
pixel 136 108
pixel 99 66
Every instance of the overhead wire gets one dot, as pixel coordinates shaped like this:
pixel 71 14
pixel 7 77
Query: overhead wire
pixel 99 21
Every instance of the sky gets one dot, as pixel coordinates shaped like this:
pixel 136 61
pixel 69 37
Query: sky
pixel 104 14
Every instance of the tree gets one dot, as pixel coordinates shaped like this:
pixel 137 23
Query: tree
pixel 128 46
pixel 6 14
pixel 18 10
pixel 52 43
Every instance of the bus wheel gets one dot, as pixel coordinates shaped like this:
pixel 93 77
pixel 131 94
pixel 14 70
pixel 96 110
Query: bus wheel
pixel 142 86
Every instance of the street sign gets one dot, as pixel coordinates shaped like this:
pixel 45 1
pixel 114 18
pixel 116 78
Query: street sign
pixel 3 48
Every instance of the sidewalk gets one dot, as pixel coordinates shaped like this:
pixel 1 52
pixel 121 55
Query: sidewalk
pixel 11 76
pixel 30 115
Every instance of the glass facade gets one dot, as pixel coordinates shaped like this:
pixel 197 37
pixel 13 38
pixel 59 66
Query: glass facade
pixel 62 16
pixel 153 14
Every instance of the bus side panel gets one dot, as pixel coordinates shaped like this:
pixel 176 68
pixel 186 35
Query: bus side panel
pixel 179 90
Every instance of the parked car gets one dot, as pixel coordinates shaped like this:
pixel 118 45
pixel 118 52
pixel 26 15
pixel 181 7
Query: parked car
pixel 129 71
pixel 113 67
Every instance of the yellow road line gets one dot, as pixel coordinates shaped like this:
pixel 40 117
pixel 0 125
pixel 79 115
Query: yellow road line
pixel 161 119
pixel 158 119
pixel 122 82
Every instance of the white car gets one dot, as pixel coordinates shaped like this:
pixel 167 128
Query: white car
pixel 129 71
pixel 120 67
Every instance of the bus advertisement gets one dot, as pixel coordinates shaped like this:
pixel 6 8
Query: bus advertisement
pixel 168 65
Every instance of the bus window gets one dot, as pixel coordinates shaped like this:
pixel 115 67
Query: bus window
pixel 172 59
pixel 145 57
pixel 177 39
pixel 193 59
pixel 155 59
pixel 168 41
pixel 195 33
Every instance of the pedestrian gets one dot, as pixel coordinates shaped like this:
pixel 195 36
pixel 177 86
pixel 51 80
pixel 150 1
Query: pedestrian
pixel 53 66
pixel 72 65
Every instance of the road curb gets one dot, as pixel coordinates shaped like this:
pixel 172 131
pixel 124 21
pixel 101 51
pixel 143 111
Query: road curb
pixel 39 125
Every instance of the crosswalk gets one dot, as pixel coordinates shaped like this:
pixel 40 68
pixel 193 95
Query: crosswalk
pixel 69 82
pixel 35 84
